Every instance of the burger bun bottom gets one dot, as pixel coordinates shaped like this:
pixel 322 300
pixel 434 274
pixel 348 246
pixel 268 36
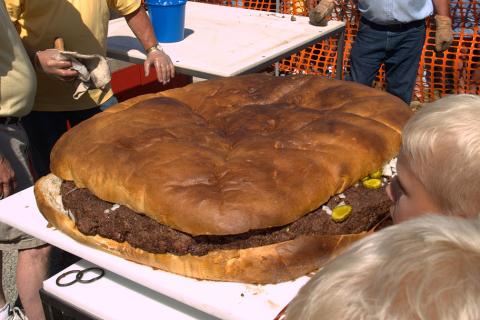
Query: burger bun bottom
pixel 273 263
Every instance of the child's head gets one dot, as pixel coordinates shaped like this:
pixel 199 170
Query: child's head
pixel 439 163
pixel 426 268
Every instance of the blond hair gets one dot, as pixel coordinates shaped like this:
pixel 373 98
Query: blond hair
pixel 441 145
pixel 426 268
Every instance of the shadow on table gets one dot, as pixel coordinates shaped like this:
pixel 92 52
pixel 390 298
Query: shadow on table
pixel 129 43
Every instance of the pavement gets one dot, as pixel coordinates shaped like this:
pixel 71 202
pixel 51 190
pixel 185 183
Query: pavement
pixel 9 265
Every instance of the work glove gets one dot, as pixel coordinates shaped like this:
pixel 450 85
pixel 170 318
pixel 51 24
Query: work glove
pixel 53 63
pixel 162 63
pixel 443 33
pixel 320 15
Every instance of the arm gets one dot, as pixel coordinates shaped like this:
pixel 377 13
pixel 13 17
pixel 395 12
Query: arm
pixel 140 24
pixel 8 183
pixel 48 61
pixel 442 7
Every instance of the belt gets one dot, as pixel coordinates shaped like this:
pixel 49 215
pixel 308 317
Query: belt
pixel 9 120
pixel 393 27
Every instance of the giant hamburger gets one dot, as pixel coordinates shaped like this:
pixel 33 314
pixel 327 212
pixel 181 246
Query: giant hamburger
pixel 226 179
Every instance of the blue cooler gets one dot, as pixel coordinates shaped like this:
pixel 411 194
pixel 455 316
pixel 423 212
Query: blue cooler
pixel 168 19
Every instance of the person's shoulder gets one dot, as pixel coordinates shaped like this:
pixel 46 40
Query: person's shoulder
pixel 124 7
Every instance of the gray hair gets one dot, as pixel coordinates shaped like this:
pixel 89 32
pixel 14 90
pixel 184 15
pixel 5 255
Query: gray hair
pixel 426 268
pixel 441 144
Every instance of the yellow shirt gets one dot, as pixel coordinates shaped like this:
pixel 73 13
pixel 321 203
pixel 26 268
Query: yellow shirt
pixel 17 78
pixel 83 25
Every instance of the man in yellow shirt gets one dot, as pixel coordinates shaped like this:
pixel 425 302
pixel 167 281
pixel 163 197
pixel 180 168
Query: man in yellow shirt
pixel 17 91
pixel 83 25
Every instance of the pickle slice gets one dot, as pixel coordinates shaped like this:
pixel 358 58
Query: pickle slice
pixel 341 213
pixel 372 183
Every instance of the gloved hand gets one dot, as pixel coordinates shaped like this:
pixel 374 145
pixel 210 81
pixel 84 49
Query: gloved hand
pixel 92 71
pixel 8 184
pixel 320 15
pixel 53 63
pixel 162 63
pixel 443 33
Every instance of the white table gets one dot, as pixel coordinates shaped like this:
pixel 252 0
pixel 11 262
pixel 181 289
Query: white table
pixel 227 41
pixel 113 297
pixel 224 300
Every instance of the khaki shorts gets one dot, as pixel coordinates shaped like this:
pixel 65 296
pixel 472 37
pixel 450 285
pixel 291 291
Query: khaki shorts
pixel 14 146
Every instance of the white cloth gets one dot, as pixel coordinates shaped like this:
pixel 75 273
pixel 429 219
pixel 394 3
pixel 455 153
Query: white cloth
pixel 92 68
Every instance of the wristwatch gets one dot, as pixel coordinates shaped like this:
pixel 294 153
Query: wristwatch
pixel 156 47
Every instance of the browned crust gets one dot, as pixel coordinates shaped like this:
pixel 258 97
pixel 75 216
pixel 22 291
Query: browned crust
pixel 236 154
pixel 267 264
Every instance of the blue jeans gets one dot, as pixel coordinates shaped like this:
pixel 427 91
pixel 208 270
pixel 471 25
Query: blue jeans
pixel 110 102
pixel 399 47
pixel 45 128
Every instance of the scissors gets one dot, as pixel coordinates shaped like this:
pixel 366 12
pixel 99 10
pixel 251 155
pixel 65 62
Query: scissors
pixel 79 277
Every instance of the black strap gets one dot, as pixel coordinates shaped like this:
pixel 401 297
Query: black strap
pixel 393 27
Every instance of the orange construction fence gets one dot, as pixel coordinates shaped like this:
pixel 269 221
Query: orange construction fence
pixel 456 70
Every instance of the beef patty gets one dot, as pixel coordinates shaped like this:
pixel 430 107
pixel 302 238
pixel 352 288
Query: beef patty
pixel 95 216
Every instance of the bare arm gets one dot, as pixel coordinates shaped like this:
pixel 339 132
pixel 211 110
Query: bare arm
pixel 442 7
pixel 140 24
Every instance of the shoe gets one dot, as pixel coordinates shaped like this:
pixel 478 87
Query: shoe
pixel 17 314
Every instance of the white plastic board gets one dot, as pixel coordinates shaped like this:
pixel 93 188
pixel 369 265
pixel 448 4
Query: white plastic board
pixel 224 300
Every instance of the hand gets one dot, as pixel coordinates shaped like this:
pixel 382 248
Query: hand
pixel 53 63
pixel 443 33
pixel 163 66
pixel 8 184
pixel 322 13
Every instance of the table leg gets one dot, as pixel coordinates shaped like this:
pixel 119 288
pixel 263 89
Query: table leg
pixel 340 49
